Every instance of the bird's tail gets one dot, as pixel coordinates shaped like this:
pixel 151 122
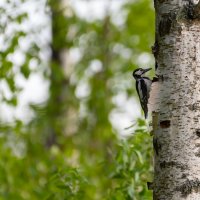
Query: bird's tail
pixel 145 112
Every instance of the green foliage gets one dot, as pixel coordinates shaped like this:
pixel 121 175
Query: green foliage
pixel 11 34
pixel 67 184
pixel 70 149
pixel 28 171
pixel 131 168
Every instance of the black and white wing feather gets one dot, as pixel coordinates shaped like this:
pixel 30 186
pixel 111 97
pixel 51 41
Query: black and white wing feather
pixel 143 88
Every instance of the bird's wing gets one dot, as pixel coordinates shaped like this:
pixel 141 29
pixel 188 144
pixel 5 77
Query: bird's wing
pixel 148 83
pixel 142 87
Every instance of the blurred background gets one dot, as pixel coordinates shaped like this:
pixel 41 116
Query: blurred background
pixel 71 126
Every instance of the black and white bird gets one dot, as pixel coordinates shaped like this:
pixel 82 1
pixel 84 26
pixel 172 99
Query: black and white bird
pixel 143 85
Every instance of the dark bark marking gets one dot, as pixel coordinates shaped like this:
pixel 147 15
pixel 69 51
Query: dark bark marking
pixel 188 187
pixel 166 164
pixel 192 10
pixel 197 145
pixel 156 145
pixel 165 25
pixel 150 185
pixel 165 124
pixel 162 1
pixel 184 175
pixel 196 119
pixel 198 153
pixel 155 49
pixel 193 106
pixel 198 132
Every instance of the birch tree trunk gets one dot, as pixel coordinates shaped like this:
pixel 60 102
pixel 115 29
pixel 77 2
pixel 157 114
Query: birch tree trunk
pixel 176 115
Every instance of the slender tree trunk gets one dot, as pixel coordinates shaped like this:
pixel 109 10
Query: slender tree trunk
pixel 60 114
pixel 176 115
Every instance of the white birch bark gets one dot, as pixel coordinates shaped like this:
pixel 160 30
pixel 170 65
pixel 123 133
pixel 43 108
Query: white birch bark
pixel 176 114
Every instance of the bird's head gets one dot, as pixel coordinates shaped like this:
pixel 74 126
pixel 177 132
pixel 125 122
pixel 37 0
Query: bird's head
pixel 139 72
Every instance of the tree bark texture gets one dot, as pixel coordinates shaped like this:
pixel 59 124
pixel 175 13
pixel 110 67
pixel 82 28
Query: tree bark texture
pixel 176 110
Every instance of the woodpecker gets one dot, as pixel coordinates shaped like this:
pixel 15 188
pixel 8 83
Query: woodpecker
pixel 143 85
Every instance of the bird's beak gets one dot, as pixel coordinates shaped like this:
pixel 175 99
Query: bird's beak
pixel 146 70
